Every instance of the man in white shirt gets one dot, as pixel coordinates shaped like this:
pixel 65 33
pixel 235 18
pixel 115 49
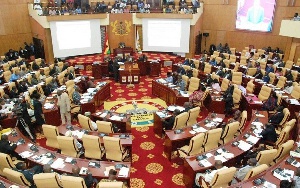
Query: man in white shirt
pixel 209 176
pixel 64 106
pixel 242 172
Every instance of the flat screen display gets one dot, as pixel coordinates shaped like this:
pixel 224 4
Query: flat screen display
pixel 255 15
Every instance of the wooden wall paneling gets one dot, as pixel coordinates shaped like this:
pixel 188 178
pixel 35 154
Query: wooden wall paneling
pixel 297 53
pixel 14 41
pixel 49 55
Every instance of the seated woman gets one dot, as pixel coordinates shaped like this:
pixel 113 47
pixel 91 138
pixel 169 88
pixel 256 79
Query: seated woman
pixel 196 96
pixel 271 103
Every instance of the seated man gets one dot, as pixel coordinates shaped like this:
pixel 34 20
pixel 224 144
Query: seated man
pixel 22 87
pixel 220 72
pixel 187 106
pixel 181 83
pixel 13 93
pixel 242 172
pixel 277 117
pixel 7 147
pixel 289 76
pixel 90 83
pixel 271 103
pixel 268 134
pixel 168 125
pixel 208 176
pixel 258 74
pixel 28 173
pixel 169 78
pixel 289 87
pixel 213 62
pixel 89 180
pixel 14 77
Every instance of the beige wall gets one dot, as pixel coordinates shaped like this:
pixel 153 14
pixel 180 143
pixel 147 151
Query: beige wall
pixel 14 24
pixel 219 22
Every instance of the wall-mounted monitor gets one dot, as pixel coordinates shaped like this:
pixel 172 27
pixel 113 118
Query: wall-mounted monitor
pixel 255 15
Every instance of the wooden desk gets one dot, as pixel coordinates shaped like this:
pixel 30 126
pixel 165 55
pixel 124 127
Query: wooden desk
pixel 123 51
pixel 268 174
pixel 174 141
pixel 249 104
pixel 214 102
pixel 124 125
pixel 125 142
pixel 100 70
pixel 169 95
pixel 127 76
pixel 149 68
pixel 98 173
pixel 191 165
pixel 8 183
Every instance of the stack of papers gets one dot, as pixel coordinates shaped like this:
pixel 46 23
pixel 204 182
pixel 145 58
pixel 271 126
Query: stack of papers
pixel 244 145
pixel 260 115
pixel 48 106
pixel 205 163
pixel 258 102
pixel 84 101
pixel 211 124
pixel 294 101
pixel 269 185
pixel 98 113
pixel 184 94
pixel 59 163
pixel 163 81
pixel 200 130
pixel 285 174
pixel 103 115
pixel 116 118
pixel 78 134
pixel 123 172
pixel 107 169
pixel 161 114
pixel 218 120
pixel 295 154
pixel 220 158
pixel 172 108
pixel 26 154
pixel 252 139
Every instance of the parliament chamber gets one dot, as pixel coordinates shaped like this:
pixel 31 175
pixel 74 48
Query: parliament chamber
pixel 101 140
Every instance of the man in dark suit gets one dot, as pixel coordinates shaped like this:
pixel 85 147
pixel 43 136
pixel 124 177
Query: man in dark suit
pixel 89 180
pixel 220 72
pixel 277 117
pixel 28 173
pixel 269 134
pixel 168 125
pixel 22 87
pixel 13 93
pixel 6 147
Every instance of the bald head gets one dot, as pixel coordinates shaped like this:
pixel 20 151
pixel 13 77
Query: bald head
pixel 218 164
pixel 47 168
pixel 75 170
pixel 252 162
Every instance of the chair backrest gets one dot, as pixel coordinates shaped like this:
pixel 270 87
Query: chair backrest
pixel 186 67
pixel 47 180
pixel 180 120
pixel 232 58
pixel 48 80
pixel 2 93
pixel 255 171
pixel 223 177
pixel 226 55
pixel 113 148
pixel 237 78
pixel 290 123
pixel 281 82
pixel 283 150
pixel 5 67
pixel 237 95
pixel 286 116
pixel 197 63
pixel 250 87
pixel 225 84
pixel 207 68
pixel 51 133
pixel 196 145
pixel 193 114
pixel 266 156
pixel 46 71
pixel 5 162
pixel 272 77
pixel 227 63
pixel 296 92
pixel 251 71
pixel 232 50
pixel 72 182
pixel 186 79
pixel 284 135
pixel 116 184
pixel 194 84
pixel 104 127
pixel 70 91
pixel 85 122
pixel 263 65
pixel 289 64
pixel 60 65
pixel 218 59
pixel 243 121
pixel 92 146
pixel 216 53
pixel 16 177
pixel 195 72
pixel 212 138
pixel 264 93
pixel 214 76
pixel 11 84
pixel 70 83
pixel 6 76
pixel 67 146
pixel 229 131
pixel 295 75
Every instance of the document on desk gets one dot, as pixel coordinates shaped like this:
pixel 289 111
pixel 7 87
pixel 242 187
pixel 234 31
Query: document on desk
pixel 244 145
pixel 258 102
pixel 227 155
pixel 211 124
pixel 252 139
pixel 26 154
pixel 269 185
pixel 205 163
pixel 116 118
pixel 184 94
pixel 48 106
pixel 218 120
pixel 58 163
pixel 295 154
pixel 257 124
pixel 294 101
pixel 161 114
pixel 260 115
pixel 103 115
pixel 123 172
pixel 200 130
pixel 285 174
pixel 221 158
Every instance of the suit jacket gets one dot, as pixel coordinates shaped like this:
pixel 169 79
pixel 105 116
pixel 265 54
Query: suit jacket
pixel 276 118
pixel 64 103
pixel 5 147
pixel 269 134
pixel 170 123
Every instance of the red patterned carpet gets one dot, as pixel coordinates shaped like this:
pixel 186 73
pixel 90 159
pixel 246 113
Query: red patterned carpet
pixel 150 167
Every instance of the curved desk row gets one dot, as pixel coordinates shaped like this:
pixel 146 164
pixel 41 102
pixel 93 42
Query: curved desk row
pixel 7 183
pixel 66 167
pixel 191 164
